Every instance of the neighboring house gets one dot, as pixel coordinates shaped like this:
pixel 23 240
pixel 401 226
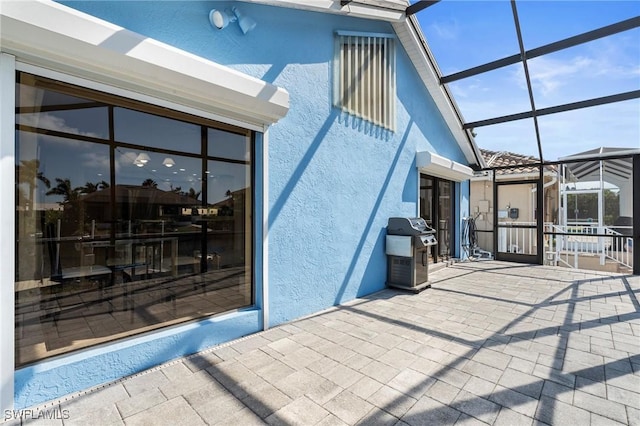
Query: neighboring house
pixel 516 203
pixel 218 182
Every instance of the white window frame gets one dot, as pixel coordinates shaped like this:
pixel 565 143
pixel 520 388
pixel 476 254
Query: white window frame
pixel 375 78
pixel 7 230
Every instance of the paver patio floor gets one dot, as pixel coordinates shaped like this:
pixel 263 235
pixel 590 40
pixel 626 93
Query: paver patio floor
pixel 490 343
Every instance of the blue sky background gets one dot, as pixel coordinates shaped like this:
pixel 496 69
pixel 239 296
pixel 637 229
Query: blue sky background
pixel 464 34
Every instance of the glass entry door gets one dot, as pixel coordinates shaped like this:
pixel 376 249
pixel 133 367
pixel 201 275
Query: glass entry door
pixel 445 214
pixel 516 224
pixel 436 208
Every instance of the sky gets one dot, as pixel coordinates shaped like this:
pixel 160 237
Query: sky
pixel 463 34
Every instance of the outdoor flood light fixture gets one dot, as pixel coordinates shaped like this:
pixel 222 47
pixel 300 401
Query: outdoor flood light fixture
pixel 221 18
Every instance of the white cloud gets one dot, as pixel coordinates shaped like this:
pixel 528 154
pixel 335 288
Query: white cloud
pixel 549 75
pixel 97 161
pixel 596 69
pixel 449 30
pixel 48 121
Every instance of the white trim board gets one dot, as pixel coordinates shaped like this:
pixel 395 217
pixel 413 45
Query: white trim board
pixel 7 230
pixel 436 165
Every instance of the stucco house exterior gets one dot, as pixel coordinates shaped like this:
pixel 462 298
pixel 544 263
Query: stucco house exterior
pixel 168 186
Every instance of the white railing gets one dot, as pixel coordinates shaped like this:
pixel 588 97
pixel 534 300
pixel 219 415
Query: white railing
pixel 620 249
pixel 574 240
pixel 569 242
pixel 513 239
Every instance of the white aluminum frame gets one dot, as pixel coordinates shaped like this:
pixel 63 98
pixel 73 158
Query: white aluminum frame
pixel 7 230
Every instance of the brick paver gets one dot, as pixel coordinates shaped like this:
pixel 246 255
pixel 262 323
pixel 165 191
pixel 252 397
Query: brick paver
pixel 490 343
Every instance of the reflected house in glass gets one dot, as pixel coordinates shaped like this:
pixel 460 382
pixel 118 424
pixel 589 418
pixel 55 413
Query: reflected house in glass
pixel 139 201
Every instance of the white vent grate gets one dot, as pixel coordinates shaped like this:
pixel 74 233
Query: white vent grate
pixel 366 77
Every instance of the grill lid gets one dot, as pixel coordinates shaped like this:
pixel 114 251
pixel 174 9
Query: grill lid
pixel 408 226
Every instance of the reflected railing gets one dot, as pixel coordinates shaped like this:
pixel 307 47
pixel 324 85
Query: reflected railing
pixel 118 279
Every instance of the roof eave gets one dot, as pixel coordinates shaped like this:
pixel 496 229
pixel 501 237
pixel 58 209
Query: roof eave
pixel 387 10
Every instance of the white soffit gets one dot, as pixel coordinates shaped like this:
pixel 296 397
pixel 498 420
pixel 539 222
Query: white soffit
pixel 53 36
pixel 439 166
pixel 386 10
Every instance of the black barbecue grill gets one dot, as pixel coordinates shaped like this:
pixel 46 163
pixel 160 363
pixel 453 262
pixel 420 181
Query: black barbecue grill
pixel 408 241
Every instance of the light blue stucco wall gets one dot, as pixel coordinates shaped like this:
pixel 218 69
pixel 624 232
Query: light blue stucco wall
pixel 333 182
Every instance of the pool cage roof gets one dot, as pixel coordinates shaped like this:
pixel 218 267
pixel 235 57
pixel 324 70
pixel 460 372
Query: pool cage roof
pixel 541 79
pixel 544 86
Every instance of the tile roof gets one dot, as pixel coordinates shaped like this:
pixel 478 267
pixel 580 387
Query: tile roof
pixel 527 163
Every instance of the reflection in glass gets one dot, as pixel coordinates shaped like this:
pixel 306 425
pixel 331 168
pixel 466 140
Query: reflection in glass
pixel 154 131
pixel 436 208
pixel 113 241
pixel 232 146
pixel 229 219
pixel 53 110
pixel 445 213
pixel 53 266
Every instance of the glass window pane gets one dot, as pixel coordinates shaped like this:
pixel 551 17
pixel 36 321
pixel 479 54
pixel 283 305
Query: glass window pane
pixel 50 110
pixel 229 229
pixel 227 145
pixel 445 207
pixel 147 190
pixel 55 269
pixel 156 132
pixel 97 262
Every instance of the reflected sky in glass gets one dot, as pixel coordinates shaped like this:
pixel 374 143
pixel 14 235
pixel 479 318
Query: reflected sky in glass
pixel 232 146
pixel 60 158
pixel 224 179
pixel 157 132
